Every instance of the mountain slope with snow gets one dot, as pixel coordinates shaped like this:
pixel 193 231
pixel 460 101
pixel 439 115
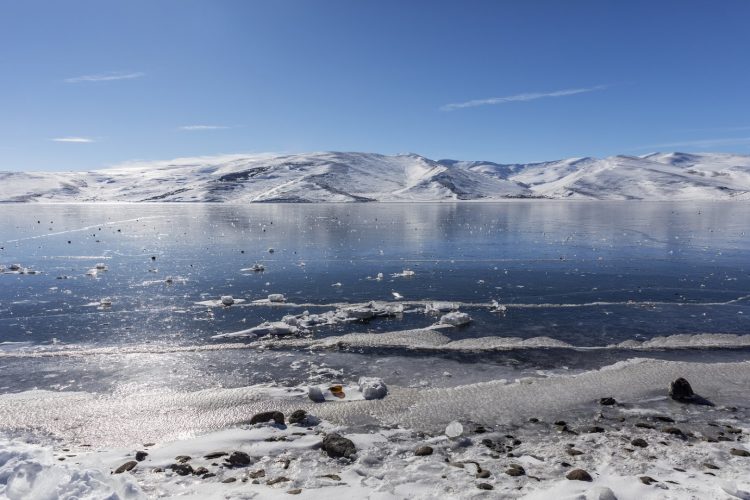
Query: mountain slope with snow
pixel 356 177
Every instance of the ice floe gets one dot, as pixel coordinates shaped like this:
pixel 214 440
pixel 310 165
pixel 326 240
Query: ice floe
pixel 406 273
pixel 455 318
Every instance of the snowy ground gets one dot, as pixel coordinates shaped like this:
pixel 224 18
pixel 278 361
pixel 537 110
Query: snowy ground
pixel 59 450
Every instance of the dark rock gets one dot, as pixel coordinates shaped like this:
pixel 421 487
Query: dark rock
pixel 423 451
pixel 739 453
pixel 297 417
pixel 335 477
pixel 215 454
pixel 483 474
pixel 147 445
pixel 607 401
pixel 515 470
pixel 258 473
pixel 663 418
pixel 674 431
pixel 594 429
pixel 200 471
pixel 239 459
pixel 644 425
pixel 295 491
pixel 229 480
pixel 182 469
pixel 579 475
pixel 181 459
pixel 710 466
pixel 534 420
pixel 267 416
pixel 647 480
pixel 565 464
pixel 280 479
pixel 678 469
pixel 127 466
pixel 157 469
pixel 561 423
pixel 206 476
pixel 680 390
pixel 337 446
pixel 494 445
pixel 639 442
pixel 485 486
pixel 573 452
pixel 140 455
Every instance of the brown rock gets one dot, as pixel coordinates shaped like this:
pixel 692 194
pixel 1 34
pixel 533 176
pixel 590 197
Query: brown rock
pixel 280 479
pixel 423 451
pixel 127 466
pixel 579 475
pixel 267 416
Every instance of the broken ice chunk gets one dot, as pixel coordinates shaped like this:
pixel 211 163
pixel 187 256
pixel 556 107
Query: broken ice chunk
pixel 372 387
pixel 276 297
pixel 455 319
pixel 404 274
pixel 454 429
pixel 498 307
pixel 227 300
pixel 439 307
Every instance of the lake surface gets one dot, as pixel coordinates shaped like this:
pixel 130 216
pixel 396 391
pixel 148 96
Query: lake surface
pixel 590 274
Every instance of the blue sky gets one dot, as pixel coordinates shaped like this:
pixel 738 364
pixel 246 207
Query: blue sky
pixel 87 84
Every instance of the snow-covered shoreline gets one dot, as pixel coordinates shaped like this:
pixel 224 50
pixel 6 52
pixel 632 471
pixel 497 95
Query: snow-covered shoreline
pixel 521 441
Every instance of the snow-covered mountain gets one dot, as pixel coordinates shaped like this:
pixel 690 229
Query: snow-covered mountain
pixel 345 177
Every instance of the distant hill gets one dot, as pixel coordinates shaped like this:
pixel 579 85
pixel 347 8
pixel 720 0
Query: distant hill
pixel 360 177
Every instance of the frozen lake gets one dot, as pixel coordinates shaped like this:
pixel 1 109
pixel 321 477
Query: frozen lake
pixel 587 276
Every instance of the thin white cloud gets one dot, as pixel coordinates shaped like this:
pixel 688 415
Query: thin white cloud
pixel 203 127
pixel 529 96
pixel 701 143
pixel 73 139
pixel 105 77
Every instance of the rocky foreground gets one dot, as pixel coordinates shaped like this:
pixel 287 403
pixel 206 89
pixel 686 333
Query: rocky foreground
pixel 680 446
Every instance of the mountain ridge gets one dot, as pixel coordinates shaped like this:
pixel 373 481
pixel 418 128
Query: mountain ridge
pixel 369 177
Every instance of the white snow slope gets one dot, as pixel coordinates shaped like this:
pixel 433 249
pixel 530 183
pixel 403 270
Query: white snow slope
pixel 347 177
